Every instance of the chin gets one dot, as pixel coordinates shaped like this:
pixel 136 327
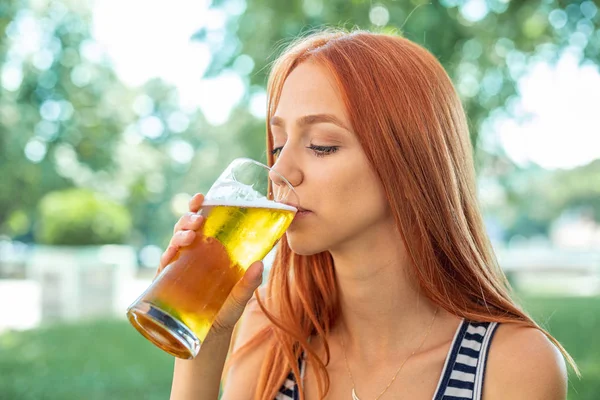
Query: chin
pixel 303 248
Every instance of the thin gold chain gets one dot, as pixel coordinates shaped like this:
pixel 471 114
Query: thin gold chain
pixel 401 366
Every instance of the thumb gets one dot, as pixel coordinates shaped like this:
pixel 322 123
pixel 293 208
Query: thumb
pixel 242 292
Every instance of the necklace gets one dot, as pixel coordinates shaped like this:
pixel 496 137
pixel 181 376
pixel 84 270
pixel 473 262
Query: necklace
pixel 354 396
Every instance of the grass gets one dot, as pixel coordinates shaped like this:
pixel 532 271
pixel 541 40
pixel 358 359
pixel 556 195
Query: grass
pixel 575 323
pixel 109 360
pixel 93 360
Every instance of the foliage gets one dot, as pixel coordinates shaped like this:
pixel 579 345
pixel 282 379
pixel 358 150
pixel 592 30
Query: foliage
pixel 61 105
pixel 67 121
pixel 110 360
pixel 81 217
pixel 484 52
pixel 534 198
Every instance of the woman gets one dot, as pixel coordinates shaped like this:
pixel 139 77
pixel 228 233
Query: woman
pixel 385 286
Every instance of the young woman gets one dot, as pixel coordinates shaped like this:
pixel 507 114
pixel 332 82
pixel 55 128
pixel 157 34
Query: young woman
pixel 385 286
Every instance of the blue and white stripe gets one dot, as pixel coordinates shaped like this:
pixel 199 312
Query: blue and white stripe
pixel 464 370
pixel 289 389
pixel 463 373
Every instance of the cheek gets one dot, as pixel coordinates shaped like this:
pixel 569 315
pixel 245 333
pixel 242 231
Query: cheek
pixel 356 190
pixel 347 198
pixel 353 201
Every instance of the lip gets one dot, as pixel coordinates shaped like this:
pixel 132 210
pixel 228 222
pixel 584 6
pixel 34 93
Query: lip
pixel 301 214
pixel 300 209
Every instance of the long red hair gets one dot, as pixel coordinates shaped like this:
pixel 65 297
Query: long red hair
pixel 412 126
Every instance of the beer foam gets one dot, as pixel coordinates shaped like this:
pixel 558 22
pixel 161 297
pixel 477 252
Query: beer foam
pixel 259 203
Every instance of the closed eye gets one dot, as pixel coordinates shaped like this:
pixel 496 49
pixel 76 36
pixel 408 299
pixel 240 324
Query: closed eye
pixel 320 151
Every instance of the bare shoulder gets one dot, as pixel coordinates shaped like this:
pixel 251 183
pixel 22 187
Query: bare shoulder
pixel 524 364
pixel 242 375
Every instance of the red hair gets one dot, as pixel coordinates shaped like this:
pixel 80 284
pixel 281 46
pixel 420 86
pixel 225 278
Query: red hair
pixel 400 103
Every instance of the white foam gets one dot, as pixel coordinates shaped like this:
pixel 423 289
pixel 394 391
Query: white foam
pixel 260 203
pixel 228 189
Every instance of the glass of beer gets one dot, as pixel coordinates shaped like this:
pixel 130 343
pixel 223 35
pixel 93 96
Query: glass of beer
pixel 245 215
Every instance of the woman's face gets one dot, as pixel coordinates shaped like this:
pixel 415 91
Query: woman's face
pixel 319 154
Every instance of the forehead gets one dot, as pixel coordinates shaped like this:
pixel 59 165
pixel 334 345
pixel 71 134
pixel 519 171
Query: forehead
pixel 310 89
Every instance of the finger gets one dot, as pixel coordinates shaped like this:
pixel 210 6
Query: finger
pixel 166 257
pixel 189 221
pixel 196 202
pixel 240 295
pixel 254 275
pixel 182 238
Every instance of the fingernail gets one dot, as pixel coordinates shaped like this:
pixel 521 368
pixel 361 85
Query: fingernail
pixel 195 217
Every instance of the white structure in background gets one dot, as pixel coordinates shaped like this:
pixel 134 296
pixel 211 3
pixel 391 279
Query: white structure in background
pixel 20 301
pixel 81 282
pixel 544 270
pixel 566 263
pixel 48 284
pixel 575 232
pixel 53 284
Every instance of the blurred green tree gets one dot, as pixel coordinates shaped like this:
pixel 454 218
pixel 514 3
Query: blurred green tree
pixel 534 198
pixel 61 112
pixel 485 46
pixel 67 121
pixel 81 217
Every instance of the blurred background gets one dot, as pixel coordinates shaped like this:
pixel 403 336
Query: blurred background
pixel 113 113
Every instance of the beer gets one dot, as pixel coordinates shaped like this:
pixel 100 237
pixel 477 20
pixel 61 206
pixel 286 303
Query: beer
pixel 241 226
pixel 192 289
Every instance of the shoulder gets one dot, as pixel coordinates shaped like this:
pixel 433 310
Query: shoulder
pixel 524 364
pixel 241 376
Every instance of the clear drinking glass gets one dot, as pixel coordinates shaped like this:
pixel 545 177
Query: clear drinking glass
pixel 245 216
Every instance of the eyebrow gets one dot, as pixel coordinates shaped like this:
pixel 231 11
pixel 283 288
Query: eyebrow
pixel 310 120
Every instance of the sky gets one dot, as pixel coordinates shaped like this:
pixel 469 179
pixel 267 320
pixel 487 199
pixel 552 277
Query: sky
pixel 563 126
pixel 562 101
pixel 147 39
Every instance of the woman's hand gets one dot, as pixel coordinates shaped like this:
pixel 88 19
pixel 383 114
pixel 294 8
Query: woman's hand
pixel 184 233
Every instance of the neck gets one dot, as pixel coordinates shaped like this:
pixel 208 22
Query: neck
pixel 383 311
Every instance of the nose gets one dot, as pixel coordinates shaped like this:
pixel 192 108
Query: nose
pixel 285 168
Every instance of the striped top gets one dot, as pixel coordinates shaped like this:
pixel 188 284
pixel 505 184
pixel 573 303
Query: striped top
pixel 464 369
